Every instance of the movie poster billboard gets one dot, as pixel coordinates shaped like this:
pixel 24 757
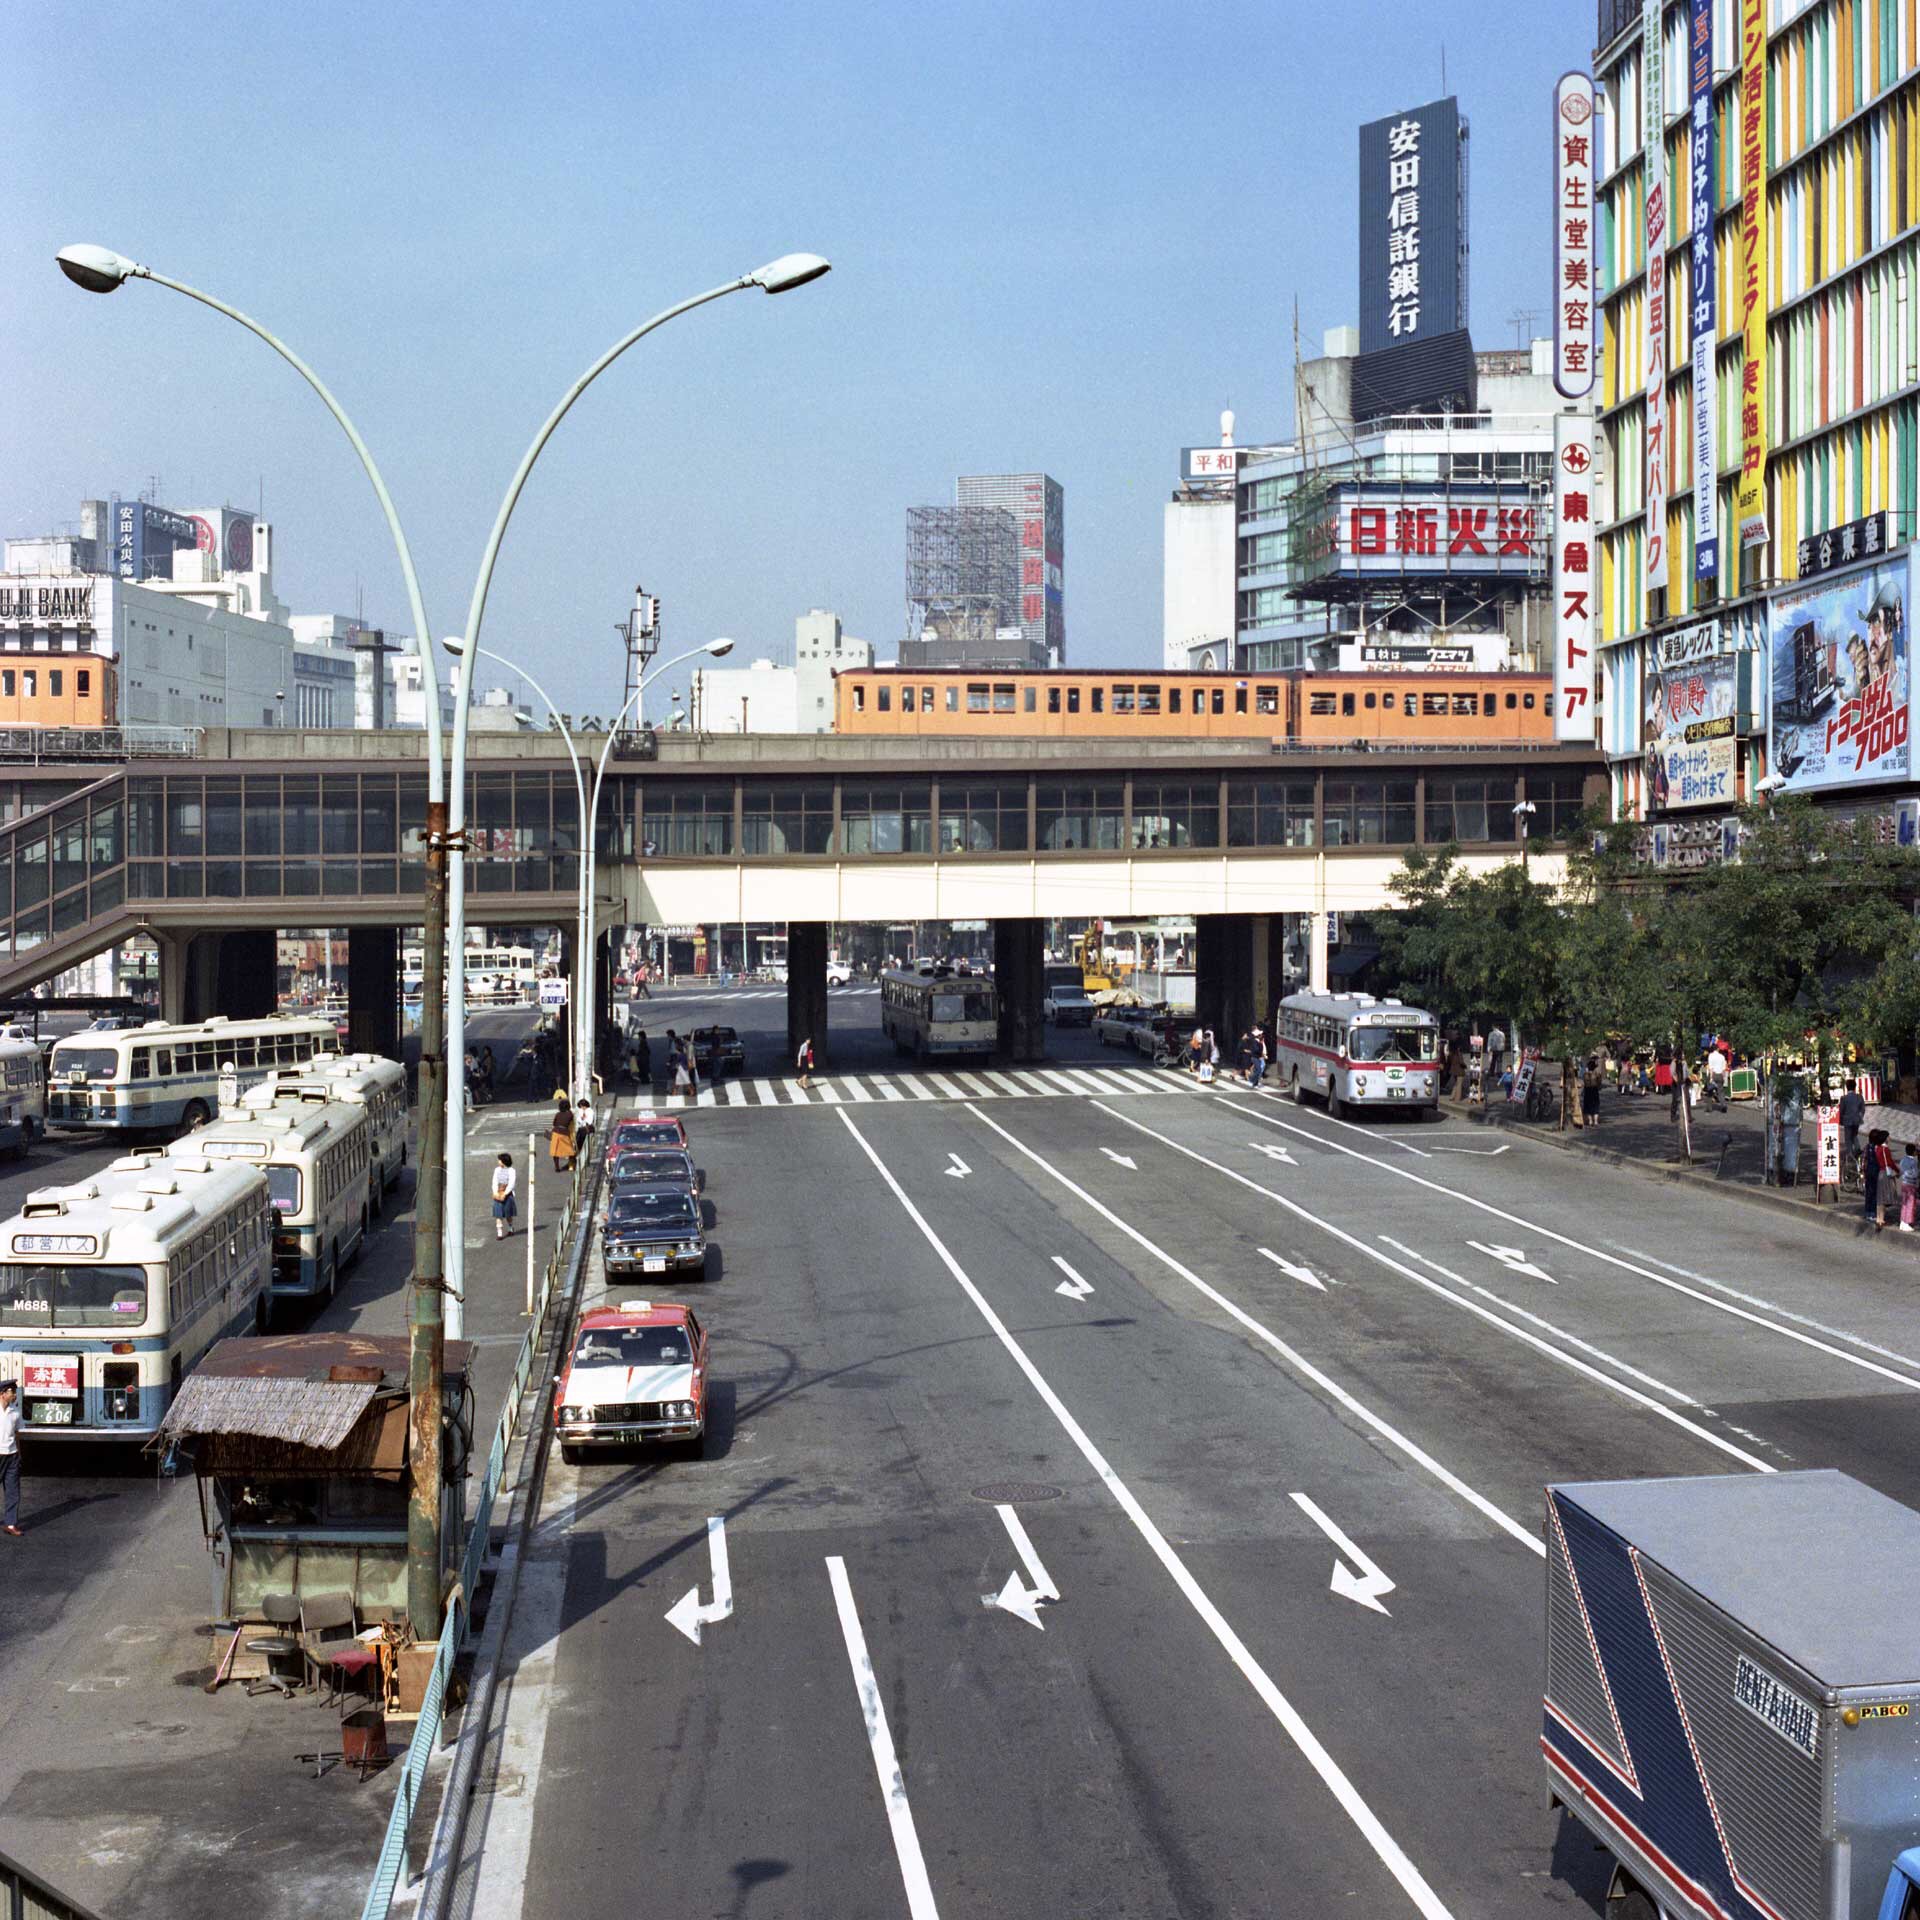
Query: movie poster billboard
pixel 1692 751
pixel 1842 679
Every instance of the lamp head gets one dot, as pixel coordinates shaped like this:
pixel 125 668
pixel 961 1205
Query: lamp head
pixel 719 648
pixel 789 271
pixel 455 644
pixel 97 269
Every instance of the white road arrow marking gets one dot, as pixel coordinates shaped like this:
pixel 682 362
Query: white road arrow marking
pixel 1305 1275
pixel 1022 1602
pixel 1364 1587
pixel 687 1613
pixel 1121 1160
pixel 1486 1153
pixel 1072 1286
pixel 959 1170
pixel 1273 1152
pixel 1514 1257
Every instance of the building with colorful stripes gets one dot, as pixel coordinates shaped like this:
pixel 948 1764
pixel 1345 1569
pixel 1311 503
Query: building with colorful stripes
pixel 1796 124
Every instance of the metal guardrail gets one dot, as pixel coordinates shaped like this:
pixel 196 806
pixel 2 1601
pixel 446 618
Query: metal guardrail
pixel 455 1627
pixel 25 1896
pixel 61 746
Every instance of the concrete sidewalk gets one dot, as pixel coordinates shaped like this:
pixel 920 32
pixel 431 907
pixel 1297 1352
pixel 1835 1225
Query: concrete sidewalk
pixel 1729 1151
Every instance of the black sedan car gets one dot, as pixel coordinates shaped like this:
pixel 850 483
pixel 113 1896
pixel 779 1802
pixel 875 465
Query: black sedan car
pixel 652 1167
pixel 718 1050
pixel 653 1230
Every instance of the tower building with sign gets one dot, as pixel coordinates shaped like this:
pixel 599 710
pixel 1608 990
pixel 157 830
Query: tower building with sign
pixel 986 583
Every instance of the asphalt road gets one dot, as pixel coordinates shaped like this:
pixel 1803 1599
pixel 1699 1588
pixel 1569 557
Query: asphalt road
pixel 1272 1400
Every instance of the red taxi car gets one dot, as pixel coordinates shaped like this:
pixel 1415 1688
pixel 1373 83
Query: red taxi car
pixel 645 1129
pixel 638 1371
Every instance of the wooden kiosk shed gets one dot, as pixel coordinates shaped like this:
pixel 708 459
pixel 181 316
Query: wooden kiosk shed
pixel 300 1446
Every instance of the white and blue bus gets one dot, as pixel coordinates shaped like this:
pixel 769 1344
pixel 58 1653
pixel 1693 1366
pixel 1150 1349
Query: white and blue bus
pixel 23 1093
pixel 160 1078
pixel 1352 1050
pixel 939 1012
pixel 111 1289
pixel 367 1080
pixel 316 1161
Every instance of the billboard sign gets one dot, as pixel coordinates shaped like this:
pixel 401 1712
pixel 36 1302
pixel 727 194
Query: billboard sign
pixel 1692 754
pixel 1705 316
pixel 1416 531
pixel 1575 312
pixel 1842 679
pixel 1846 546
pixel 1574 549
pixel 1750 503
pixel 146 537
pixel 1210 463
pixel 1413 226
pixel 227 534
pixel 1654 144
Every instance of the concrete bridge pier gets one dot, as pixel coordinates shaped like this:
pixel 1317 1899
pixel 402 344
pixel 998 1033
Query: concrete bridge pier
pixel 203 974
pixel 1240 974
pixel 807 988
pixel 373 990
pixel 1019 978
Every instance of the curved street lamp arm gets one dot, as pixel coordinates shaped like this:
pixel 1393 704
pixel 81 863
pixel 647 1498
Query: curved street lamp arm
pixel 422 637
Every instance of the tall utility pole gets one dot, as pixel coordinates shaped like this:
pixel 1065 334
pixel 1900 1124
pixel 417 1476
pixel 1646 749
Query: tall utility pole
pixel 426 1315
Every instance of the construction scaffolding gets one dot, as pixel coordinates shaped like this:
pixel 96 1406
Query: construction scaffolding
pixel 963 570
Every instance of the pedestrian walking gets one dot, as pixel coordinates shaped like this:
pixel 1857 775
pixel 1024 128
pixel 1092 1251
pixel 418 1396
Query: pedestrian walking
pixel 1879 1162
pixel 1664 1082
pixel 1261 1054
pixel 1717 1078
pixel 1196 1050
pixel 640 982
pixel 1853 1116
pixel 803 1065
pixel 642 1058
pixel 1590 1084
pixel 1792 1110
pixel 1909 1184
pixel 506 1179
pixel 10 1457
pixel 1496 1048
pixel 560 1136
pixel 583 1123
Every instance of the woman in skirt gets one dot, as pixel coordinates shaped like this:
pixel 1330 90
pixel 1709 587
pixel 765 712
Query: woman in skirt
pixel 505 1207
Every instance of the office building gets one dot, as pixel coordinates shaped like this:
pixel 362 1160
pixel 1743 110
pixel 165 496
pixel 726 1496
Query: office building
pixel 767 697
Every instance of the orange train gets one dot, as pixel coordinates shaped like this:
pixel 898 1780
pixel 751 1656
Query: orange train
pixel 1302 709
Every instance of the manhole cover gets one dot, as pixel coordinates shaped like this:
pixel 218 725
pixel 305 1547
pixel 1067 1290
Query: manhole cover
pixel 1013 1492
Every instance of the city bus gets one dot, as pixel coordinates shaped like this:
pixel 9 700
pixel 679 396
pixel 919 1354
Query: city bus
pixel 367 1080
pixel 158 1077
pixel 23 1093
pixel 112 1289
pixel 316 1161
pixel 938 1011
pixel 1352 1050
pixel 502 976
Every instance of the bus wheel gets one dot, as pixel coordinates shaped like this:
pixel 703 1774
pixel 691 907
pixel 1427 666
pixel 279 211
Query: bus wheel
pixel 195 1117
pixel 1334 1104
pixel 333 1273
pixel 1299 1092
pixel 359 1252
pixel 260 1312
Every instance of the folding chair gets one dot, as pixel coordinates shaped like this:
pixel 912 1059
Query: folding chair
pixel 326 1626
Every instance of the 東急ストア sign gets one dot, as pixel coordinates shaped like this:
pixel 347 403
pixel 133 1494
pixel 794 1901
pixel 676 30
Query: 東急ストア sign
pixel 1573 576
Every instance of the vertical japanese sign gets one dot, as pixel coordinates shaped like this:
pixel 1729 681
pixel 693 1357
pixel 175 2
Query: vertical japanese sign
pixel 1412 226
pixel 1574 550
pixel 1654 158
pixel 1751 503
pixel 1574 314
pixel 1706 301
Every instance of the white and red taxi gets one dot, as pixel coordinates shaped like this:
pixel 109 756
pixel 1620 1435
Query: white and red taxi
pixel 638 1371
pixel 645 1129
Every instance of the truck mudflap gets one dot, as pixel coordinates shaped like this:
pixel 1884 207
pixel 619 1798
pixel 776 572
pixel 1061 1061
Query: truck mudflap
pixel 1644 1742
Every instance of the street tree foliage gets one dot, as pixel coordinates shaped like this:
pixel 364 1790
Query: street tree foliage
pixel 1810 930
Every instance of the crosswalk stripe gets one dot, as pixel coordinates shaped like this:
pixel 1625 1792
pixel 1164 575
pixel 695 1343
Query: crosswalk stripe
pixel 764 1088
pixel 1005 1082
pixel 975 1084
pixel 888 1090
pixel 919 1090
pixel 946 1086
pixel 827 1095
pixel 705 1098
pixel 1031 1081
pixel 854 1087
pixel 1063 1081
pixel 1120 1079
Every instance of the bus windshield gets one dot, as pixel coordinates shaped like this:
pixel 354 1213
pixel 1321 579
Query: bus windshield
pixel 56 1296
pixel 963 1006
pixel 283 1188
pixel 1392 1043
pixel 97 1063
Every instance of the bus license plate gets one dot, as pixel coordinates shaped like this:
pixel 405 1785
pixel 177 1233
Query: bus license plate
pixel 50 1413
pixel 1396 1093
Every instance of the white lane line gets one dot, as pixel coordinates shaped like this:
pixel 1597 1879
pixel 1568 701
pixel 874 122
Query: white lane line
pixel 1298 1361
pixel 1385 1846
pixel 1372 1133
pixel 1003 1084
pixel 893 1786
pixel 1043 1586
pixel 1492 1319
pixel 1785 1313
pixel 860 1095
pixel 1505 1305
pixel 1612 1260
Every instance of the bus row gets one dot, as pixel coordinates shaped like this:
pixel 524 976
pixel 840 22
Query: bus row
pixel 113 1287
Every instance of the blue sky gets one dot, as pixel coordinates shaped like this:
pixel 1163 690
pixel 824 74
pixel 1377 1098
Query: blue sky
pixel 1064 236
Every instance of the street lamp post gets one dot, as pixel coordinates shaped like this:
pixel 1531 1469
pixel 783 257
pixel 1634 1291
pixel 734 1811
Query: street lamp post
pixel 588 971
pixel 100 270
pixel 777 276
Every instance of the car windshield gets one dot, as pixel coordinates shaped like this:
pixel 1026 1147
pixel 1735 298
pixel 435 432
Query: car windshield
pixel 57 1296
pixel 1393 1043
pixel 963 1006
pixel 653 1209
pixel 633 1347
pixel 638 1168
pixel 97 1063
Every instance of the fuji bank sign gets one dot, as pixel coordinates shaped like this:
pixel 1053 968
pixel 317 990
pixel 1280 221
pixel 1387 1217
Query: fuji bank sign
pixel 69 602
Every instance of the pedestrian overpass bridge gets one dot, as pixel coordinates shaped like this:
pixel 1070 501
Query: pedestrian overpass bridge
pixel 265 829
